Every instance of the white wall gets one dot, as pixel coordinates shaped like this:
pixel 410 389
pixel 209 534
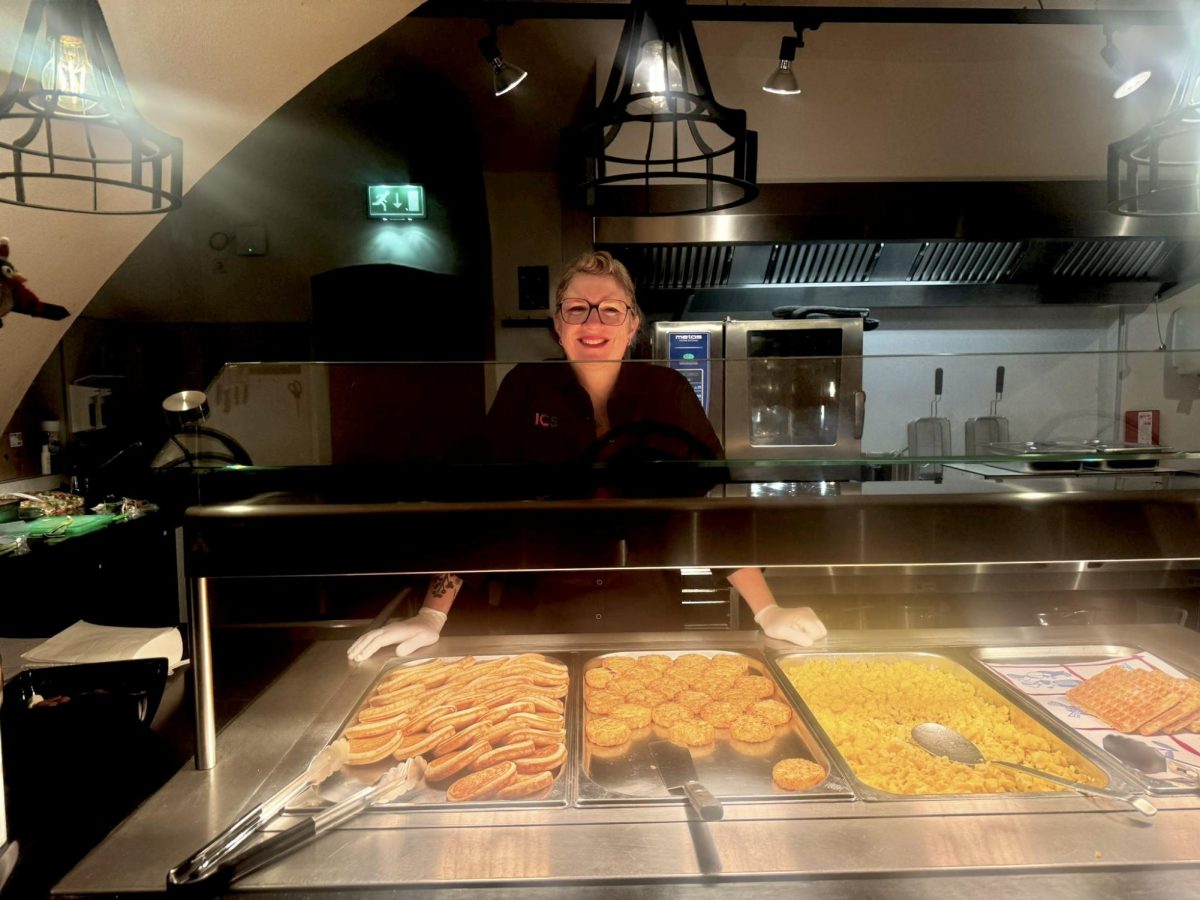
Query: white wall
pixel 1057 386
pixel 1148 380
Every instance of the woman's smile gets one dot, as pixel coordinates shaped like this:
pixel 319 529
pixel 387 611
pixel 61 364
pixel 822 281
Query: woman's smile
pixel 592 339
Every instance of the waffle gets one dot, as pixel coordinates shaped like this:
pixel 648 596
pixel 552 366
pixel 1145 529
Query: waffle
pixel 1127 698
pixel 1182 713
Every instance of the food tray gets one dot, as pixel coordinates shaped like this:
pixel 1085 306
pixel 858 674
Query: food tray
pixel 353 778
pixel 1083 756
pixel 1042 675
pixel 732 771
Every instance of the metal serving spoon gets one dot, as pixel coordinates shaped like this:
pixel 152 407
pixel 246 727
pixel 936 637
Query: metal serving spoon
pixel 943 741
pixel 1147 758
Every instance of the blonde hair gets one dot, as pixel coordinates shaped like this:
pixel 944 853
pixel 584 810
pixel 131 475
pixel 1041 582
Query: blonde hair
pixel 599 262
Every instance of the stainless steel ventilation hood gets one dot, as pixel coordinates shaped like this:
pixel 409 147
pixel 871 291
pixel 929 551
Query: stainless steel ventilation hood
pixel 898 244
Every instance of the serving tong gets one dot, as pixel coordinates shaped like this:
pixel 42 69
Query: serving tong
pixel 221 860
pixel 204 861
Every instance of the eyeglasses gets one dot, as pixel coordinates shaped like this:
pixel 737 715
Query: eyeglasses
pixel 577 311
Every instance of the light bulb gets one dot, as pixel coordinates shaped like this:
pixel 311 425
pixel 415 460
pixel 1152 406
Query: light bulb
pixel 782 80
pixel 70 71
pixel 1131 84
pixel 656 74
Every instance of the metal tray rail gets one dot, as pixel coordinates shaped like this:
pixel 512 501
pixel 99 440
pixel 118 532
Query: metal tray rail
pixel 352 778
pixel 624 776
pixel 1073 654
pixel 1087 758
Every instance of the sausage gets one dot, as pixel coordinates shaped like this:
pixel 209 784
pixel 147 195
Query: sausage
pixel 372 750
pixel 539 737
pixel 498 732
pixel 539 720
pixel 416 744
pixel 504 710
pixel 375 713
pixel 543 704
pixel 371 729
pixel 504 754
pixel 525 786
pixel 422 718
pixel 546 761
pixel 383 697
pixel 468 735
pixel 459 718
pixel 444 767
pixel 482 784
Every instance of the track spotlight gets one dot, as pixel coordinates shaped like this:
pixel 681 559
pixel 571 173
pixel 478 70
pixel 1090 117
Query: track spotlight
pixel 1128 78
pixel 505 76
pixel 783 79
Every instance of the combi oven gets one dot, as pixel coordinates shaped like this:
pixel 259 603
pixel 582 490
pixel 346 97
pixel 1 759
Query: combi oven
pixel 774 389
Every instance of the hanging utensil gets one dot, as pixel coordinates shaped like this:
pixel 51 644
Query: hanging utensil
pixel 1147 758
pixel 204 861
pixel 930 435
pixel 989 429
pixel 941 740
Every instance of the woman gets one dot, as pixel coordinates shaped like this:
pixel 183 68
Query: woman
pixel 554 414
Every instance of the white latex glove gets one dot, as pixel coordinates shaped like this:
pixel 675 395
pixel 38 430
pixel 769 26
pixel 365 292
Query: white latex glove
pixel 798 625
pixel 409 636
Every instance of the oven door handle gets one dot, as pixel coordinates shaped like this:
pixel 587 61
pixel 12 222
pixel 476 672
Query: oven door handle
pixel 860 413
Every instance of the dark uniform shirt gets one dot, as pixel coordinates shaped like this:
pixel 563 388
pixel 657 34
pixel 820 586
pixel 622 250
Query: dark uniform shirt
pixel 542 414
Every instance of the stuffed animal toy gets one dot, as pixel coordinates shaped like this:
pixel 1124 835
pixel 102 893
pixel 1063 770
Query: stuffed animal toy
pixel 15 297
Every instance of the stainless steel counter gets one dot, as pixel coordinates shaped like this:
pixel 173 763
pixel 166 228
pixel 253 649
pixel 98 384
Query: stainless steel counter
pixel 1058 846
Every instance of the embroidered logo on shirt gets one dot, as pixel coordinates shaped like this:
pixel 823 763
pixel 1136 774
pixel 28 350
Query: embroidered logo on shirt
pixel 543 420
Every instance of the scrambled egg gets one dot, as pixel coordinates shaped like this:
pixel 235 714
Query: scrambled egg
pixel 869 708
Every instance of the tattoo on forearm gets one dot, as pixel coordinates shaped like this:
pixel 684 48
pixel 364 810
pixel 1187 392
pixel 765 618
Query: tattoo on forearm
pixel 444 584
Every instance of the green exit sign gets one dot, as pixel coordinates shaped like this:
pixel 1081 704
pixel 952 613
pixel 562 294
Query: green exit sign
pixel 395 201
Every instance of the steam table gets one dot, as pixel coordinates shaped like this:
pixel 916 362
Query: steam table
pixel 1066 846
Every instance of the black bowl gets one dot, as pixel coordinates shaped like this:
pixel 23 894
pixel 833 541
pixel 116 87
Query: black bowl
pixel 114 694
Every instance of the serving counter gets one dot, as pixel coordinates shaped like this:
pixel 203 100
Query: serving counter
pixel 983 537
pixel 1045 845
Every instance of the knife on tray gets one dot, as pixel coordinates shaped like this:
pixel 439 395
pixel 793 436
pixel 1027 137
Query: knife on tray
pixel 678 773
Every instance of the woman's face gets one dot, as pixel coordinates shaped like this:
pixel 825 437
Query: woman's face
pixel 593 339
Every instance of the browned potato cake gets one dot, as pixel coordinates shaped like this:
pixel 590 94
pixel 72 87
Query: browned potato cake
pixel 632 714
pixel 774 711
pixel 752 729
pixel 667 714
pixel 693 700
pixel 602 702
pixel 646 697
pixel 599 678
pixel 656 661
pixel 693 733
pixel 755 684
pixel 797 774
pixel 720 713
pixel 604 731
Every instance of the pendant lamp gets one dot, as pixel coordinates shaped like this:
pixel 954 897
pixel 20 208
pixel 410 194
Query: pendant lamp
pixel 71 138
pixel 659 143
pixel 1156 171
